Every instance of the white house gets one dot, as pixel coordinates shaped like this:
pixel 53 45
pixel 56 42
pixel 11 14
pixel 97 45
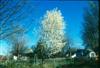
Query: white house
pixel 84 53
pixel 15 57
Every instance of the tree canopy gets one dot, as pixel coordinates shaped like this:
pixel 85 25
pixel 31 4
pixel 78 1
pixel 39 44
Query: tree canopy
pixel 91 23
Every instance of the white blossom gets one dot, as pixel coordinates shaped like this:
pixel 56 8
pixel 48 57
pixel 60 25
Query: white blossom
pixel 53 26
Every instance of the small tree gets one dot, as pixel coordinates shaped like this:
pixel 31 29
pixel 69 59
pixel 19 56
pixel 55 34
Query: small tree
pixel 67 47
pixel 40 51
pixel 18 46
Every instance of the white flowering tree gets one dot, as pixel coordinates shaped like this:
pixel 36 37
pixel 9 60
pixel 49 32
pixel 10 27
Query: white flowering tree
pixel 53 31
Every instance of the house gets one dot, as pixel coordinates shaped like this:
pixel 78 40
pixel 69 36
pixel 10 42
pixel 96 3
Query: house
pixel 84 53
pixel 3 58
pixel 15 57
pixel 73 56
pixel 25 56
pixel 71 52
pixel 81 53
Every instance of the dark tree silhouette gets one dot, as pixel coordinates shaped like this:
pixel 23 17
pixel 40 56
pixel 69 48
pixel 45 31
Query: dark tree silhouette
pixel 91 23
pixel 40 51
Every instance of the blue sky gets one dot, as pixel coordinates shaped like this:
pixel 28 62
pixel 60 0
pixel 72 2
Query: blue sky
pixel 72 11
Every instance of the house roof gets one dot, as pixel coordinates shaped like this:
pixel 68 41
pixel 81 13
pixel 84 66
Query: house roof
pixel 29 51
pixel 2 57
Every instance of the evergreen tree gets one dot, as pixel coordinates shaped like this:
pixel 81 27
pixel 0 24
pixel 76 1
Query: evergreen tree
pixel 91 23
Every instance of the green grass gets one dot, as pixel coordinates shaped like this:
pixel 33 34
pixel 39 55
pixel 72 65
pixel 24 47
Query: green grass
pixel 49 63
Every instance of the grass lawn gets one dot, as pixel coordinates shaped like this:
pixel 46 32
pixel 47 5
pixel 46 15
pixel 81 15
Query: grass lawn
pixel 49 63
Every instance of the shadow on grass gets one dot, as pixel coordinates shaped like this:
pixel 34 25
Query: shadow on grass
pixel 80 65
pixel 2 66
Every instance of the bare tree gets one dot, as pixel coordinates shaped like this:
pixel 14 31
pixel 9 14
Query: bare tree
pixel 11 13
pixel 18 46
